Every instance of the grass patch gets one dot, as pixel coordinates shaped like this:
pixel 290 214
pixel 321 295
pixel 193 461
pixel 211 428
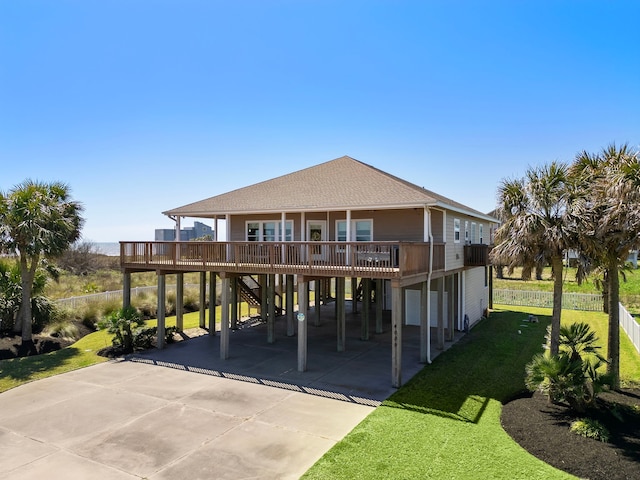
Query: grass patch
pixel 83 353
pixel 445 422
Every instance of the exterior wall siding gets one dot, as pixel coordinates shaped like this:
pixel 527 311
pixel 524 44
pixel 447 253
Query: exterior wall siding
pixel 476 294
pixel 388 225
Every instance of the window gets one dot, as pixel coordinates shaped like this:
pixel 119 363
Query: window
pixel 361 231
pixel 466 231
pixel 481 239
pixel 269 231
pixel 456 230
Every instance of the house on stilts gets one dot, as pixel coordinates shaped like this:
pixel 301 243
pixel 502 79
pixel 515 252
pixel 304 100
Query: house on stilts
pixel 404 249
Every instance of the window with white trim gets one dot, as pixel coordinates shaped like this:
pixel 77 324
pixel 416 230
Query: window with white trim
pixel 466 231
pixel 268 231
pixel 481 235
pixel 456 230
pixel 361 230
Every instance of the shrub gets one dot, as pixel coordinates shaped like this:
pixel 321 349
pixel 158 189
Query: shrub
pixel 121 324
pixel 571 376
pixel 590 428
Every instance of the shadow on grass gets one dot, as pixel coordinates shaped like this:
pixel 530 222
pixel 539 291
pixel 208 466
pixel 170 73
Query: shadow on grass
pixel 24 368
pixel 488 363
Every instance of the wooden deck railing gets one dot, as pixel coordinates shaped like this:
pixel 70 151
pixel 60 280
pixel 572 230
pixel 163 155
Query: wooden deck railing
pixel 372 259
pixel 476 255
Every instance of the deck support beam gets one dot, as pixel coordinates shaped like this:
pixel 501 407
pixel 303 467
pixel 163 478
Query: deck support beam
pixel 234 303
pixel 224 320
pixel 340 313
pixel 354 294
pixel 126 290
pixel 213 298
pixel 366 308
pixel 450 309
pixel 271 316
pixel 303 303
pixel 291 329
pixel 203 298
pixel 425 328
pixel 317 300
pixel 379 303
pixel 397 315
pixel 162 297
pixel 440 287
pixel 180 302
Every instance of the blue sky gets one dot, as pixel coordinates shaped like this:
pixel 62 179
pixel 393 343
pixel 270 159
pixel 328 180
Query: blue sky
pixel 142 106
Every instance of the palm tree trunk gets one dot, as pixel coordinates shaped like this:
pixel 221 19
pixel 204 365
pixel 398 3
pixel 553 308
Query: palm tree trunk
pixel 27 275
pixel 613 343
pixel 556 267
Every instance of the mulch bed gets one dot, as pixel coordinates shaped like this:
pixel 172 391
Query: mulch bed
pixel 543 429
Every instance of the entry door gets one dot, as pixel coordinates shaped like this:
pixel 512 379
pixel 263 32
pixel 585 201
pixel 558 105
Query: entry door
pixel 317 232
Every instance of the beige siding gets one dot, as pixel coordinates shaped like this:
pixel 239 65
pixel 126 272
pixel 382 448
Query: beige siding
pixel 476 294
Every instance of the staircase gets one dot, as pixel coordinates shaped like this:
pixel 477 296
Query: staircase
pixel 251 293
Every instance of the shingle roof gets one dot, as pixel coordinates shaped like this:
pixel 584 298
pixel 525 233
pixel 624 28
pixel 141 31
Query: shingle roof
pixel 340 184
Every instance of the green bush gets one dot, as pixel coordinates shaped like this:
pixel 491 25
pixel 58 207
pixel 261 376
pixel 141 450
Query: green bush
pixel 121 324
pixel 572 376
pixel 590 428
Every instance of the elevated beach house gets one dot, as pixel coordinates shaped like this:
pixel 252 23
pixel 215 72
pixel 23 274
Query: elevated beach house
pixel 405 250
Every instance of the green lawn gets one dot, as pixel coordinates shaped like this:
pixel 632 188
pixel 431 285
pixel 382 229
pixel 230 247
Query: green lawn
pixel 16 371
pixel 445 422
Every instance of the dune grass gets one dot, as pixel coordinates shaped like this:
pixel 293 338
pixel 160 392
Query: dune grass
pixel 445 422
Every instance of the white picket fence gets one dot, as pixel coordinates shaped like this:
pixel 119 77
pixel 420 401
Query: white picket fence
pixel 630 326
pixel 528 298
pixel 570 301
pixel 115 295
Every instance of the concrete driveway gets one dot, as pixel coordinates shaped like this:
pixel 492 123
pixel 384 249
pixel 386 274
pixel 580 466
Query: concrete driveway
pixel 181 412
pixel 125 420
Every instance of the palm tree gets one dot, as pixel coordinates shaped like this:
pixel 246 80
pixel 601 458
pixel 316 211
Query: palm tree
pixel 37 221
pixel 535 227
pixel 607 220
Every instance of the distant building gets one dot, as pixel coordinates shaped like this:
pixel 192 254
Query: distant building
pixel 198 230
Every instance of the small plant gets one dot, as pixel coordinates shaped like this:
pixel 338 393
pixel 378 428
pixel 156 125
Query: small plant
pixel 121 324
pixel 590 428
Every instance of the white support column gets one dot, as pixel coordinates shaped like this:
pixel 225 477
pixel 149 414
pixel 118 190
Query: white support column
pixel 162 296
pixel 213 297
pixel 303 303
pixel 178 229
pixel 425 225
pixel 224 321
pixel 180 301
pixel 397 301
